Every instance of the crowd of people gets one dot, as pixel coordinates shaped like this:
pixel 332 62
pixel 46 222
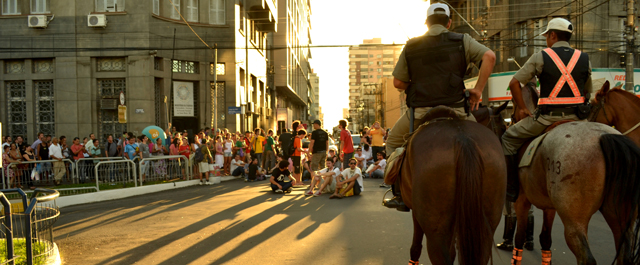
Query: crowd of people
pixel 285 159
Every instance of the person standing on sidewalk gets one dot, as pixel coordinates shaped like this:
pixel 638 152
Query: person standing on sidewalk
pixel 377 142
pixel 269 155
pixel 55 152
pixel 318 146
pixel 346 142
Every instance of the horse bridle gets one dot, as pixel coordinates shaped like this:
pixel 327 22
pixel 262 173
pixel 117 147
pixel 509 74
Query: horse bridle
pixel 492 122
pixel 599 107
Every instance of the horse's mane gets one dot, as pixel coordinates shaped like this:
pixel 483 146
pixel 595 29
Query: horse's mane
pixel 619 91
pixel 439 112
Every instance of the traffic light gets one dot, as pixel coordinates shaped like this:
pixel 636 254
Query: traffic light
pixel 622 60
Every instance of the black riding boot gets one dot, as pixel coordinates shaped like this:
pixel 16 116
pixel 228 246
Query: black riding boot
pixel 528 244
pixel 513 182
pixel 509 230
pixel 396 201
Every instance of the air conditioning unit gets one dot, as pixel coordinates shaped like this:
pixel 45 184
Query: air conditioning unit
pixel 251 107
pixel 38 21
pixel 268 112
pixel 97 21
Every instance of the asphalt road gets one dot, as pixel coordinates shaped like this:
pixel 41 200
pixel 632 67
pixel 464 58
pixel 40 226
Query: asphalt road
pixel 244 223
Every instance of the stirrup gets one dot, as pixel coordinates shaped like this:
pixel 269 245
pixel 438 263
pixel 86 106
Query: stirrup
pixel 384 196
pixel 411 262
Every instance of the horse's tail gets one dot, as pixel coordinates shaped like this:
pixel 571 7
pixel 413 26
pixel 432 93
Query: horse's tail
pixel 471 225
pixel 622 181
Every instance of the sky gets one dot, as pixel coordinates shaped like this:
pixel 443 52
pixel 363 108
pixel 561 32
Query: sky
pixel 348 22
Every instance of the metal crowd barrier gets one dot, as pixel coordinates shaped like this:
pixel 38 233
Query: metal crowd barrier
pixel 32 223
pixel 85 167
pixel 115 172
pixel 158 168
pixel 39 172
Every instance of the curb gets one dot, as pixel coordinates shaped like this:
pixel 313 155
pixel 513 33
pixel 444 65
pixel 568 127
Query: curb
pixel 129 192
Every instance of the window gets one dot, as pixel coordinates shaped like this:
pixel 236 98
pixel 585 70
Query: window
pixel 40 6
pixel 192 10
pixel 379 56
pixel 45 107
pixel 159 101
pixel 185 67
pixel 216 12
pixel 241 15
pixel 10 7
pixel 363 76
pixel 16 107
pixel 370 55
pixel 110 5
pixel 175 14
pixel 156 7
pixel 158 63
pixel 108 118
pixel 242 78
pixel 218 105
pixel 539 42
pixel 522 36
pixel 220 69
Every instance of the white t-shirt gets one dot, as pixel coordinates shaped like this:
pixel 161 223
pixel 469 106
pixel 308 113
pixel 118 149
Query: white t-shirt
pixel 367 154
pixel 233 165
pixel 348 173
pixel 382 164
pixel 335 170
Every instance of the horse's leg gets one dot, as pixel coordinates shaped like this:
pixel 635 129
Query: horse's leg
pixel 545 235
pixel 614 222
pixel 575 233
pixel 439 248
pixel 416 245
pixel 522 212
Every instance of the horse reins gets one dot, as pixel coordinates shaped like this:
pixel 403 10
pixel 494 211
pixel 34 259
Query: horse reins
pixel 493 123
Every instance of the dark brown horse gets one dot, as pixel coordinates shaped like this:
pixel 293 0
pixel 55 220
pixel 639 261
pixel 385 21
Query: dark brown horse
pixel 618 108
pixel 458 175
pixel 581 168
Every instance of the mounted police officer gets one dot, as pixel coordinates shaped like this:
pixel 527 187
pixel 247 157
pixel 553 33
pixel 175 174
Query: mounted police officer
pixel 565 81
pixel 430 70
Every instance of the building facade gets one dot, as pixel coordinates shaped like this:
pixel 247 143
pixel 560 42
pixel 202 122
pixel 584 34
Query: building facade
pixel 314 94
pixel 65 64
pixel 368 64
pixel 513 30
pixel 390 104
pixel 291 68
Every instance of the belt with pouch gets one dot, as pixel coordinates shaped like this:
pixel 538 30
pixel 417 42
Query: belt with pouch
pixel 558 111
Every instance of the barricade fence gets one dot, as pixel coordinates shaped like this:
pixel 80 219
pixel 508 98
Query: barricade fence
pixel 85 168
pixel 159 168
pixel 115 172
pixel 37 173
pixel 84 175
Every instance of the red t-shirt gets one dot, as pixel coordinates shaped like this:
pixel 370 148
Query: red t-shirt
pixel 345 137
pixel 76 148
pixel 297 144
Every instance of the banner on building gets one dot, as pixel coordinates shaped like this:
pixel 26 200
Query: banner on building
pixel 498 83
pixel 183 105
pixel 122 114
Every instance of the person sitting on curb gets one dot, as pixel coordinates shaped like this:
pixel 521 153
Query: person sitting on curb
pixel 376 170
pixel 351 183
pixel 237 166
pixel 325 178
pixel 278 185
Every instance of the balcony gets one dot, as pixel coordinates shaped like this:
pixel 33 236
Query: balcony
pixel 264 13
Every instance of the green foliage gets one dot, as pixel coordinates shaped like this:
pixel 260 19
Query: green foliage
pixel 20 251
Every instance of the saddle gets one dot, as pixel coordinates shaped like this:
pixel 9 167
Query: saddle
pixel 396 159
pixel 531 147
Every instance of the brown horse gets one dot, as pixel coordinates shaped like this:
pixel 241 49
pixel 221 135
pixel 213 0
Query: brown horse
pixel 615 107
pixel 459 183
pixel 578 169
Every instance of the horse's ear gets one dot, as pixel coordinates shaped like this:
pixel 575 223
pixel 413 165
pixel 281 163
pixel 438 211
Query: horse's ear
pixel 604 90
pixel 502 107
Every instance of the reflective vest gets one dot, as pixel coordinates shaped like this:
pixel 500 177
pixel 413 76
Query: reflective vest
pixel 436 67
pixel 563 77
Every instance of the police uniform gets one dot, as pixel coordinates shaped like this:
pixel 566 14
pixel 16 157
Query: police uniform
pixel 432 82
pixel 553 106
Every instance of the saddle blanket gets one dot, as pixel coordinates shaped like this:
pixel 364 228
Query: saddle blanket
pixel 531 150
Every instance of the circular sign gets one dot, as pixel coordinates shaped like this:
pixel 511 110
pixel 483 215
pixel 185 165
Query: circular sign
pixel 121 98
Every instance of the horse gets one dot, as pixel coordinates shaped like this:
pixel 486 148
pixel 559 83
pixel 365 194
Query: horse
pixel 580 168
pixel 613 106
pixel 458 177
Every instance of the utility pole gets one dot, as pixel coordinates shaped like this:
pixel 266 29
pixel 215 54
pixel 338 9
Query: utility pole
pixel 631 39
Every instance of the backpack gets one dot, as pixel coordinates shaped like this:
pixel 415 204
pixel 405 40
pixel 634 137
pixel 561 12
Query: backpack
pixel 290 149
pixel 199 157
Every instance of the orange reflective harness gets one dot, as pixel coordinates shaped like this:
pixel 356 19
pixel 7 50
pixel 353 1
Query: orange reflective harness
pixel 565 78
